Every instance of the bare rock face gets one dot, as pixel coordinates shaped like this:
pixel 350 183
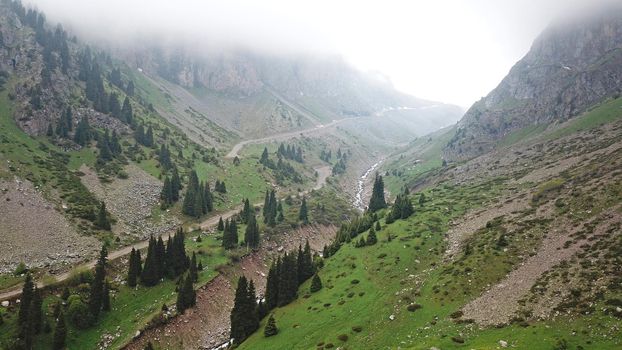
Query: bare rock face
pixel 570 67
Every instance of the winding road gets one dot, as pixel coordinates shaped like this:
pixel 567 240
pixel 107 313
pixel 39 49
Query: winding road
pixel 323 173
pixel 235 150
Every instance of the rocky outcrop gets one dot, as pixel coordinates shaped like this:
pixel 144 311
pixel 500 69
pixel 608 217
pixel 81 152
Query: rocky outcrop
pixel 572 66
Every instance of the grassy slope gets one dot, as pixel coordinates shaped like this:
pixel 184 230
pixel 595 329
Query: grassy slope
pixel 132 308
pixel 392 275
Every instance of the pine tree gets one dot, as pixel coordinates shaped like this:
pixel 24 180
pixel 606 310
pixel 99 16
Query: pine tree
pixel 221 224
pixel 166 195
pixel 244 320
pixel 288 280
pixel 246 211
pixel 377 201
pixel 60 332
pixel 149 275
pixel 35 313
pixel 175 184
pixel 264 157
pixel 134 268
pixel 378 228
pixel 149 137
pixel 96 296
pixel 83 132
pixel 316 284
pixel 371 237
pixel 251 236
pixel 192 205
pixel 129 90
pixel 102 221
pixel 302 214
pixel 271 328
pixel 272 286
pixel 127 115
pixel 305 263
pixel 186 297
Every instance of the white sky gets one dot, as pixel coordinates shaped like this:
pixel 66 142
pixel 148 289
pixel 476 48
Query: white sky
pixel 445 50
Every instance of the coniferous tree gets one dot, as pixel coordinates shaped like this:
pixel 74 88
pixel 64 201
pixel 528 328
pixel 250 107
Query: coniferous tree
pixel 35 313
pixel 272 285
pixel 129 90
pixel 244 319
pixel 271 328
pixel 306 269
pixel 193 197
pixel 264 157
pixel 96 295
pixel 288 280
pixel 246 211
pixel 221 225
pixel 186 296
pixel 303 214
pixel 377 201
pixel 316 284
pixel 149 137
pixel 378 228
pixel 371 237
pixel 251 235
pixel 134 268
pixel 149 275
pixel 127 115
pixel 60 332
pixel 166 196
pixel 102 221
pixel 82 135
pixel 175 184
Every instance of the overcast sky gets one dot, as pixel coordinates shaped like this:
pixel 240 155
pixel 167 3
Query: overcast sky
pixel 446 50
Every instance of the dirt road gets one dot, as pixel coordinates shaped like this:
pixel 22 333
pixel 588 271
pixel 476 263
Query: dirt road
pixel 285 136
pixel 323 173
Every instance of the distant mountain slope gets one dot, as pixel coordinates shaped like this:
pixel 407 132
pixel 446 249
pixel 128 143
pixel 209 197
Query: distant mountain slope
pixel 256 95
pixel 572 66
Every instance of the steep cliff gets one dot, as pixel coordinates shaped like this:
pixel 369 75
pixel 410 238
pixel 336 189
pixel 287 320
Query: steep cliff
pixel 573 65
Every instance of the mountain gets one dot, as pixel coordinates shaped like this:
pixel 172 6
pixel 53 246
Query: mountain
pixel 257 94
pixel 570 67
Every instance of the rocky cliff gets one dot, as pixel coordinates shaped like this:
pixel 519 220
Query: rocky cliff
pixel 572 65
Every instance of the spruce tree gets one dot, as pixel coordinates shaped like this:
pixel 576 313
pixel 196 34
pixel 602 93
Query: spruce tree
pixel 35 313
pixel 192 205
pixel 60 333
pixel 96 295
pixel 316 284
pixel 149 275
pixel 127 114
pixel 378 228
pixel 238 317
pixel 221 224
pixel 377 201
pixel 371 237
pixel 175 184
pixel 303 214
pixel 133 273
pixel 186 297
pixel 102 221
pixel 251 236
pixel 272 286
pixel 82 135
pixel 271 328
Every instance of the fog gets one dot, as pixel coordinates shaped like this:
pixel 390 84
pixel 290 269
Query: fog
pixel 446 50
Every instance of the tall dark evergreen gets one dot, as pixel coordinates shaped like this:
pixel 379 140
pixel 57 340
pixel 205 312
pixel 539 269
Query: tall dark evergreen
pixel 305 266
pixel 377 201
pixel 186 296
pixel 127 115
pixel 102 221
pixel 192 205
pixel 251 235
pixel 371 237
pixel 402 208
pixel 149 275
pixel 288 280
pixel 221 224
pixel 244 318
pixel 83 134
pixel 272 285
pixel 303 212
pixel 134 269
pixel 193 271
pixel 230 235
pixel 96 294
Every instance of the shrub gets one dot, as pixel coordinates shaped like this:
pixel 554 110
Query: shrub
pixel 457 339
pixel 20 269
pixel 329 346
pixel 342 337
pixel 456 314
pixel 413 307
pixel 355 281
pixel 78 313
pixel 357 329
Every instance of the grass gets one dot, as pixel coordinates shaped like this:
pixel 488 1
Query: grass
pixel 395 275
pixel 604 113
pixel 132 308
